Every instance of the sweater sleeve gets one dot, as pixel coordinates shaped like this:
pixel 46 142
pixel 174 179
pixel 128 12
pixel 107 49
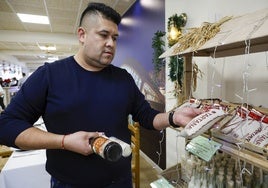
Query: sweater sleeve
pixel 142 111
pixel 25 108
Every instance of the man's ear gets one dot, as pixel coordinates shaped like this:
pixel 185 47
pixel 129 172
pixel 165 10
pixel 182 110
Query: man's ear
pixel 81 34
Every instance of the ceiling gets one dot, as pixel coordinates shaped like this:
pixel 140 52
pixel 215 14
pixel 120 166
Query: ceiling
pixel 22 40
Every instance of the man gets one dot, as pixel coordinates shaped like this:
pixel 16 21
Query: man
pixel 78 97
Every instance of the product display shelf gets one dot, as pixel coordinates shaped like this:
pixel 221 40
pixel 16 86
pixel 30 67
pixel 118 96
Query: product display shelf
pixel 216 133
pixel 233 143
pixel 244 144
pixel 243 154
pixel 249 30
pixel 233 149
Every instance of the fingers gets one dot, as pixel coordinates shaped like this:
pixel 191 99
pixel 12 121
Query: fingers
pixel 79 142
pixel 94 134
pixel 198 111
pixel 186 114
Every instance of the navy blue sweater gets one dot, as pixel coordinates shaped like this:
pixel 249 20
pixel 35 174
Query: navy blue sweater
pixel 71 99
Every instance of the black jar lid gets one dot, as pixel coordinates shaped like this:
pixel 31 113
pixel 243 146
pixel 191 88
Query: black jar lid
pixel 112 151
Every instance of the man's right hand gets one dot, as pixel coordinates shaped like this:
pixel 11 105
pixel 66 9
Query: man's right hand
pixel 79 142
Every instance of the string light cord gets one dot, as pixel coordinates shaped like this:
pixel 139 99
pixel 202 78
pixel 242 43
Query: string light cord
pixel 177 158
pixel 222 75
pixel 247 91
pixel 213 84
pixel 177 169
pixel 160 148
pixel 245 78
pixel 247 65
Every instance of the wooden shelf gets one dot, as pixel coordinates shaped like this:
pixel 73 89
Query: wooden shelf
pixel 237 48
pixel 234 36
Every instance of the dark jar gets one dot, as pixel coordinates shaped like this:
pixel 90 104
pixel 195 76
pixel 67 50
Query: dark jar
pixel 106 148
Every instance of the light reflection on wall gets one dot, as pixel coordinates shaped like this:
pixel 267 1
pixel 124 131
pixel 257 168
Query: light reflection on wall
pixel 135 76
pixel 151 4
pixel 127 21
pixel 149 93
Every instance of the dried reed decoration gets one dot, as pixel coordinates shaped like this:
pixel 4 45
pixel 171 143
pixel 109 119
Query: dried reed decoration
pixel 196 37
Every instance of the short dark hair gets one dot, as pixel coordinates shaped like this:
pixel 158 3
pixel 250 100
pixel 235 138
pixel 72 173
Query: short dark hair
pixel 108 12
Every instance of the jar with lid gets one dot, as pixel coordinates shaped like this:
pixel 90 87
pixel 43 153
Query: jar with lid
pixel 106 148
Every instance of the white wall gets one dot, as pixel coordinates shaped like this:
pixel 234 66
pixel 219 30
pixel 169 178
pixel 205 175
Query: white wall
pixel 227 71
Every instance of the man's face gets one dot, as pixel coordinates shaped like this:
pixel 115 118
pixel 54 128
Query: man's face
pixel 98 38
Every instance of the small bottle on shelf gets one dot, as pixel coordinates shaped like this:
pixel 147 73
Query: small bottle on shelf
pixel 230 184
